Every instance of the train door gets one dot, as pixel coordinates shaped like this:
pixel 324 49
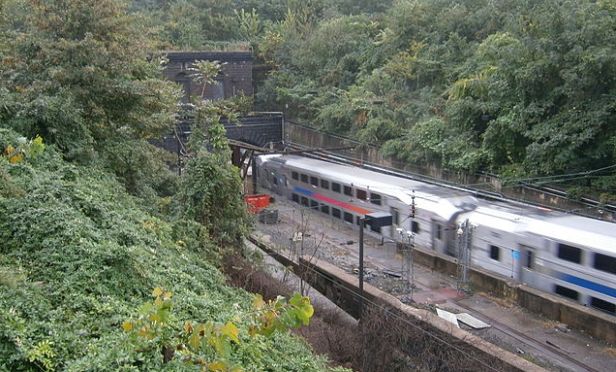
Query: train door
pixel 282 185
pixel 516 264
pixel 527 265
pixel 274 182
pixel 395 222
pixel 439 237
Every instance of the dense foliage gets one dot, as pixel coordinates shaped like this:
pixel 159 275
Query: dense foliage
pixel 79 256
pixel 508 86
pixel 91 218
pixel 520 88
pixel 199 24
pixel 76 72
pixel 204 194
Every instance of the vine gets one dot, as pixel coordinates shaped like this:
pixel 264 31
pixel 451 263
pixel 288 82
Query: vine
pixel 211 345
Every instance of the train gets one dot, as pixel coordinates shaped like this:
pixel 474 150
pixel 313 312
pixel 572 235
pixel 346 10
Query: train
pixel 556 252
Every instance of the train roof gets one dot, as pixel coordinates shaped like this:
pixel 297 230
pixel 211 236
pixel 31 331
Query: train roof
pixel 495 218
pixel 555 225
pixel 446 202
pixel 577 231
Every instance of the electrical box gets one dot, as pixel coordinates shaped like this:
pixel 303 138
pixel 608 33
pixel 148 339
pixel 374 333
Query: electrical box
pixel 378 219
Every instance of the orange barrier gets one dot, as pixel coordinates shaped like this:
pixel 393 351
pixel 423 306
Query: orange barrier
pixel 257 202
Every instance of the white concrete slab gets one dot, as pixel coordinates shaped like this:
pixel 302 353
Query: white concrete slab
pixel 471 321
pixel 450 317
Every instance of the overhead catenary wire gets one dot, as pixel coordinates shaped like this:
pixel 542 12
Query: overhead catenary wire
pixel 581 173
pixel 433 335
pixel 382 307
pixel 471 188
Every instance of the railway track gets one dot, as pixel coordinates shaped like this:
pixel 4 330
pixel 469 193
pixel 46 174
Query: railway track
pixel 337 241
pixel 555 353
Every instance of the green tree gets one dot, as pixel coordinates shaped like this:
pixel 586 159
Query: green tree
pixel 210 190
pixel 79 75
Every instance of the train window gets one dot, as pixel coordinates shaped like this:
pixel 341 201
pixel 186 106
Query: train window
pixel 348 217
pixel 358 220
pixel 348 190
pixel 335 187
pixel 361 194
pixel 567 292
pixel 569 253
pixel 295 175
pixel 275 180
pixel 603 305
pixel 529 259
pixel 375 198
pixel 336 212
pixel 375 228
pixel 314 204
pixel 495 252
pixel 304 201
pixel 295 198
pixel 605 263
pixel 415 227
pixel 324 208
pixel 314 181
pixel 395 216
pixel 304 178
pixel 325 184
pixel 439 231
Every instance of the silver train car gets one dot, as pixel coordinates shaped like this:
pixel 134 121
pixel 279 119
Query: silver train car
pixel 555 252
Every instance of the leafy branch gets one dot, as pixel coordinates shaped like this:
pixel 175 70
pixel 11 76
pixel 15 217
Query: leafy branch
pixel 156 328
pixel 26 149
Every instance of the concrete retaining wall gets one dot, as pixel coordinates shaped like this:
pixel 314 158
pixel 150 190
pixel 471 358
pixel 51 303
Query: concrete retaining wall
pixel 343 289
pixel 595 323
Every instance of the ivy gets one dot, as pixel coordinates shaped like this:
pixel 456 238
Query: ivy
pixel 210 344
pixel 78 255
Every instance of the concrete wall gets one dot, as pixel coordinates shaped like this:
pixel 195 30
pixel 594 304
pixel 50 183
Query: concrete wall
pixel 342 289
pixel 235 76
pixel 599 325
pixel 595 323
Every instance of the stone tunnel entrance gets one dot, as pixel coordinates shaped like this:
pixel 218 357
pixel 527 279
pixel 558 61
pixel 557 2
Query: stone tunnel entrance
pixel 254 133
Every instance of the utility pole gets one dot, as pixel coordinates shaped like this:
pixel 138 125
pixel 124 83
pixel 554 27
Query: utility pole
pixel 407 251
pixel 362 224
pixel 377 220
pixel 408 242
pixel 465 236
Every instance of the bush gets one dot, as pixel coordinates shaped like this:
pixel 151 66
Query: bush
pixel 78 255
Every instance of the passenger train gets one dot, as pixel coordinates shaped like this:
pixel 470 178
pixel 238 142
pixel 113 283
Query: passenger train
pixel 560 253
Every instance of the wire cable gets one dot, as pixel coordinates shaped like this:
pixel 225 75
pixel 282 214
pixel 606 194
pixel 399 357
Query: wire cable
pixel 389 311
pixel 400 318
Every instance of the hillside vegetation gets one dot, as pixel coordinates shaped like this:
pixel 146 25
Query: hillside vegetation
pixel 79 256
pixel 108 261
pixel 519 88
pixel 524 89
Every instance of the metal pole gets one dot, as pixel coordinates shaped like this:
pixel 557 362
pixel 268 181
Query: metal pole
pixel 179 155
pixel 284 132
pixel 254 173
pixel 362 223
